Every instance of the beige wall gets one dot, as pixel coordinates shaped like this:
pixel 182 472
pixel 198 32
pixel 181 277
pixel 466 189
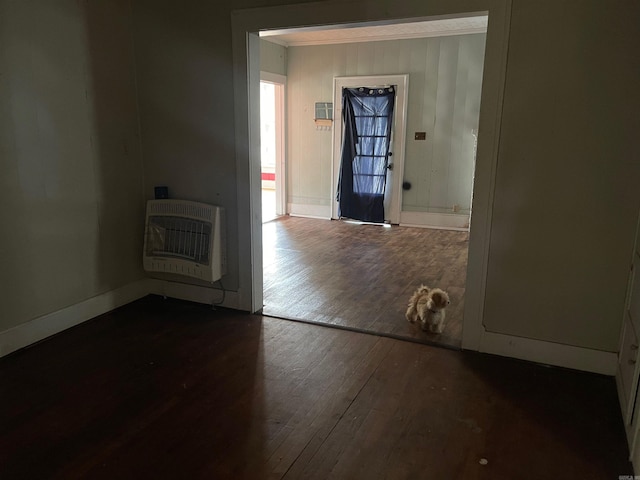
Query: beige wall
pixel 568 179
pixel 445 77
pixel 185 78
pixel 71 203
pixel 273 58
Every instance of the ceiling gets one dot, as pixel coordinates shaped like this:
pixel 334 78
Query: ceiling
pixel 355 33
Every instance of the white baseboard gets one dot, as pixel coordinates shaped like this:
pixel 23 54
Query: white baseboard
pixel 42 327
pixel 195 293
pixel 443 221
pixel 538 351
pixel 549 353
pixel 310 211
pixel 47 325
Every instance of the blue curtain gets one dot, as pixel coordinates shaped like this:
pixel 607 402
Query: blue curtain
pixel 367 115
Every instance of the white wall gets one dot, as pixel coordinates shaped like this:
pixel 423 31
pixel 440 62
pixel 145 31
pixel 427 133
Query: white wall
pixel 445 103
pixel 273 58
pixel 71 203
pixel 445 77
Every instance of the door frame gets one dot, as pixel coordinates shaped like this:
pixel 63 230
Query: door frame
pixel 398 135
pixel 280 83
pixel 246 25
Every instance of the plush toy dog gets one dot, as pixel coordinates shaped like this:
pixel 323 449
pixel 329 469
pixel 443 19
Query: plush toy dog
pixel 427 305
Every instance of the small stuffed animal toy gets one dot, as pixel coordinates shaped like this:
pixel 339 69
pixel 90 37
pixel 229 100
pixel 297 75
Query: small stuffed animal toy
pixel 427 305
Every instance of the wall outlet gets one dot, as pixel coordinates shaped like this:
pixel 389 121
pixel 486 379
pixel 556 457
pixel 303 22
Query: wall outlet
pixel 455 208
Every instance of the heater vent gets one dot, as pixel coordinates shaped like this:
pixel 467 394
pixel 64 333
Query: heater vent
pixel 185 238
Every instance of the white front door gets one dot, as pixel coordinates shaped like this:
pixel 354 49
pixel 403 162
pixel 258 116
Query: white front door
pixel 393 193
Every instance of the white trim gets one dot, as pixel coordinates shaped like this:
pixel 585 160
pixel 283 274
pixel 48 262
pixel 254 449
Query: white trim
pixel 274 78
pixel 488 142
pixel 548 353
pixel 381 30
pixel 392 209
pixel 281 148
pixel 311 211
pixel 50 324
pixel 280 84
pixel 376 38
pixel 246 92
pixel 45 326
pixel 276 40
pixel 443 221
pixel 457 12
pixel 42 327
pixel 195 293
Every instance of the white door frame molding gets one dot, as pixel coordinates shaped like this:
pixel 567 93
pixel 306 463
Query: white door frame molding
pixel 280 82
pixel 246 25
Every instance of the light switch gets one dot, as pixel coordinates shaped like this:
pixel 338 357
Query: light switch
pixel 420 136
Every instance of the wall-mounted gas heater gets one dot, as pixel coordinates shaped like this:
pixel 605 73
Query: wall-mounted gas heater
pixel 185 238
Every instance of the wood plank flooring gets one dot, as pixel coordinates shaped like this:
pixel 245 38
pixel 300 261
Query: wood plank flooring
pixel 361 276
pixel 165 389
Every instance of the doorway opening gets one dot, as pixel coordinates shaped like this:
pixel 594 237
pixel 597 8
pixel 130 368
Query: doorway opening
pixel 350 275
pixel 249 24
pixel 272 146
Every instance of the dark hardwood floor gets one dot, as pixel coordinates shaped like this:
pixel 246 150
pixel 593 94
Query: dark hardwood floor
pixel 162 389
pixel 361 276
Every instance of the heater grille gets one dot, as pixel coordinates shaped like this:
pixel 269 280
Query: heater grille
pixel 178 237
pixel 185 238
